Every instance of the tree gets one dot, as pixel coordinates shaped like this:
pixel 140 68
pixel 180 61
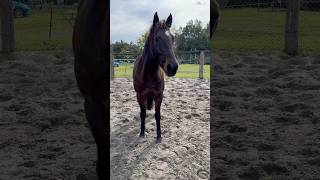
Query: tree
pixel 125 50
pixel 141 41
pixel 192 36
pixel 7 26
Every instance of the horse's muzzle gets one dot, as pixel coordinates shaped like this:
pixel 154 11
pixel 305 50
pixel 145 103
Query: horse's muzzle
pixel 172 70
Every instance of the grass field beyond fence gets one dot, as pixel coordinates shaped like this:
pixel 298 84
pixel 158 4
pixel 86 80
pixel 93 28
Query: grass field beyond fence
pixel 32 32
pixel 184 71
pixel 244 29
pixel 250 29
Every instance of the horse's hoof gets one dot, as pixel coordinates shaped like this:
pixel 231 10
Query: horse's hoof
pixel 142 135
pixel 158 140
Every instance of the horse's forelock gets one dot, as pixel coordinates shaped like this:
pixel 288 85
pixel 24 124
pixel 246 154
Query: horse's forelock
pixel 154 29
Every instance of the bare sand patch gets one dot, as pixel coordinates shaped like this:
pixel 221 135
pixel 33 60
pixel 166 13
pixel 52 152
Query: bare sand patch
pixel 184 150
pixel 266 117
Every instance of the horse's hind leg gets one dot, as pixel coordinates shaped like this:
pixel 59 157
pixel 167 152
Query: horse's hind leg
pixel 142 105
pixel 95 110
pixel 157 115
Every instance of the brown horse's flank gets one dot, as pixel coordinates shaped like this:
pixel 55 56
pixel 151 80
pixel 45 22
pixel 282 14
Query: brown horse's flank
pixel 91 70
pixel 214 16
pixel 148 73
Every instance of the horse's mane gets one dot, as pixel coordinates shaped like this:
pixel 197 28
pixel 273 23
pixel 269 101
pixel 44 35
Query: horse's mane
pixel 150 36
pixel 148 57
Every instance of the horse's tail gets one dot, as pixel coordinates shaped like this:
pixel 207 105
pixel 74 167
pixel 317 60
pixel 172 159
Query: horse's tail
pixel 149 103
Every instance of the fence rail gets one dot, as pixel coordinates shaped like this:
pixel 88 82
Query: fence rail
pixel 245 25
pixel 263 25
pixel 194 64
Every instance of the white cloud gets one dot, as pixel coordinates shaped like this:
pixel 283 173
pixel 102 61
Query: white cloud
pixel 129 19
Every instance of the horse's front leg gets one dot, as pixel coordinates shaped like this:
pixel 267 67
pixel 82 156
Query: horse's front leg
pixel 141 101
pixel 97 118
pixel 157 115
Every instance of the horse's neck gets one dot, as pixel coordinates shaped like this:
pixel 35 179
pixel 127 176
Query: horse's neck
pixel 150 70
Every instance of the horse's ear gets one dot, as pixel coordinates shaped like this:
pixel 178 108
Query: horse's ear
pixel 155 18
pixel 169 21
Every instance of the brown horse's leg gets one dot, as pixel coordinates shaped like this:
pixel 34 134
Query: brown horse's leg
pixel 157 115
pixel 95 109
pixel 142 105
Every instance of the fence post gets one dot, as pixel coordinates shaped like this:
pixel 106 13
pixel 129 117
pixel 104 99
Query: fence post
pixel 272 5
pixel 291 33
pixel 7 26
pixel 50 24
pixel 201 62
pixel 111 66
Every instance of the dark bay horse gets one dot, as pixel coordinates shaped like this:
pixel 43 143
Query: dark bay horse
pixel 148 74
pixel 214 16
pixel 91 66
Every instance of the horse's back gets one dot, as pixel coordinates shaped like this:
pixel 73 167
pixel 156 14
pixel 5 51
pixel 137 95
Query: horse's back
pixel 90 47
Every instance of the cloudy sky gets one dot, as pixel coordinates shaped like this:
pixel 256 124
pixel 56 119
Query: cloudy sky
pixel 131 18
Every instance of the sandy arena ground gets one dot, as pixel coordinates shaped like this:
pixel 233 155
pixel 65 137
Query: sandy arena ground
pixel 184 150
pixel 44 134
pixel 266 117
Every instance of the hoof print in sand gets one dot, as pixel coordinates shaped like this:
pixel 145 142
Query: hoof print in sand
pixel 203 174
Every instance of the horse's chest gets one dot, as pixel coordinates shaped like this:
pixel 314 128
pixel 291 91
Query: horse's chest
pixel 151 89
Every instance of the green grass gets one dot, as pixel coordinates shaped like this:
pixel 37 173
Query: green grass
pixel 184 71
pixel 249 29
pixel 32 32
pixel 239 29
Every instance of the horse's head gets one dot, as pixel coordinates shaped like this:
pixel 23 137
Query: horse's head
pixel 162 46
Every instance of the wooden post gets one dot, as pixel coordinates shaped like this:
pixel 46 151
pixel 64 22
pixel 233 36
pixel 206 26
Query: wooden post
pixel 50 25
pixel 272 5
pixel 291 32
pixel 195 55
pixel 7 26
pixel 201 62
pixel 111 64
pixel 125 66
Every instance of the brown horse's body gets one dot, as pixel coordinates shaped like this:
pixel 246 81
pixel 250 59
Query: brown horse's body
pixel 148 84
pixel 91 66
pixel 149 88
pixel 214 16
pixel 148 73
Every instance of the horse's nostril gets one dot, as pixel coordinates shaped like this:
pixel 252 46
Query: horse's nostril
pixel 175 68
pixel 172 69
pixel 169 68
